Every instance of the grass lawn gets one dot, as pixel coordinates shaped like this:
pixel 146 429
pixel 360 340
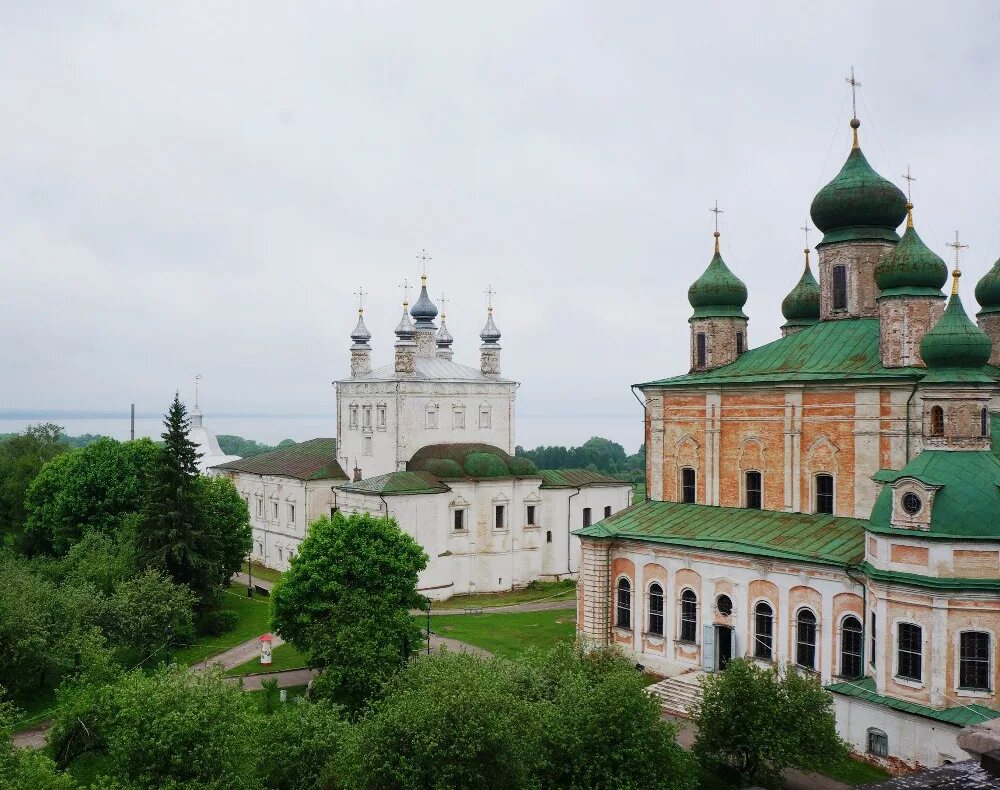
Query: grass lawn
pixel 282 657
pixel 254 614
pixel 508 634
pixel 533 592
pixel 267 574
pixel 855 772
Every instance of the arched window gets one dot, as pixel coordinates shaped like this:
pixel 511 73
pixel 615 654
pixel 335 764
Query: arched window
pixel 724 605
pixel 937 421
pixel 656 609
pixel 754 497
pixel 689 616
pixel 974 660
pixel 805 639
pixel 984 422
pixel 824 493
pixel 688 480
pixel 851 648
pixel 763 640
pixel 623 608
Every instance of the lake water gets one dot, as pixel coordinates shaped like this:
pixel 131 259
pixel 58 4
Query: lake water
pixel 532 430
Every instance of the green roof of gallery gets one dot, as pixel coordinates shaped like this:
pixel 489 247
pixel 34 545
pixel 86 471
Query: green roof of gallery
pixel 801 537
pixel 315 459
pixel 843 350
pixel 960 715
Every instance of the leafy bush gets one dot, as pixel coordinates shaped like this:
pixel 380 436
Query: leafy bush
pixel 215 622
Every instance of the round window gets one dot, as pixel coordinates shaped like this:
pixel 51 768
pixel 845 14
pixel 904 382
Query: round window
pixel 724 604
pixel 911 503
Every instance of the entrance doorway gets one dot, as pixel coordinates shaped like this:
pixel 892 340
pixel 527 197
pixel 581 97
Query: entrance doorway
pixel 723 646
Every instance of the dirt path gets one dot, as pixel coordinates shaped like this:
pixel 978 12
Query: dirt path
pixel 529 606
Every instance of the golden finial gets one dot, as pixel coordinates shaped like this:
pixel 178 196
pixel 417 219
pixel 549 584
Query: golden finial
pixel 444 304
pixel 956 245
pixel 361 293
pixel 909 197
pixel 490 293
pixel 855 123
pixel 404 289
pixel 717 211
pixel 423 257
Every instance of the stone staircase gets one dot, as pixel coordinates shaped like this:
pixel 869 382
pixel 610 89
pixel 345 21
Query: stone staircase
pixel 677 694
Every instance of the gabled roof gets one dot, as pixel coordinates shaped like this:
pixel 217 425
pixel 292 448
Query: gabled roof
pixel 315 459
pixel 575 478
pixel 804 537
pixel 830 350
pixel 396 483
pixel 966 504
pixel 961 716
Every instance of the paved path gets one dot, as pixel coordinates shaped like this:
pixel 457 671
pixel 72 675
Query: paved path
pixel 243 579
pixel 530 606
pixel 33 737
pixel 235 656
pixel 286 679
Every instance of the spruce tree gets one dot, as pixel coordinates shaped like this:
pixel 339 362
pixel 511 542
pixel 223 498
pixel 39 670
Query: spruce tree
pixel 175 536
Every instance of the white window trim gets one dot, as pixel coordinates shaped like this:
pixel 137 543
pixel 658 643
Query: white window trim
pixel 817 656
pixel 698 620
pixel 352 417
pixel 458 415
pixel 367 446
pixel 538 517
pixel 753 629
pixel 814 489
pixel 957 642
pixel 486 409
pixel 381 416
pixel 893 667
pixel 631 604
pixel 743 488
pixel 432 411
pixel 656 639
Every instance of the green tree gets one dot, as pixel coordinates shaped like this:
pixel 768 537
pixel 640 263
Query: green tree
pixel 761 721
pixel 453 720
pixel 245 448
pixel 94 488
pixel 193 529
pixel 22 457
pixel 302 745
pixel 26 769
pixel 174 728
pixel 139 613
pixel 345 602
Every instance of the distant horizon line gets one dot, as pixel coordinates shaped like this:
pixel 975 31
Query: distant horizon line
pixel 98 414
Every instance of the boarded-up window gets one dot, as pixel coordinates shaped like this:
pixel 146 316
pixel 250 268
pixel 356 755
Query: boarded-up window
pixel 839 287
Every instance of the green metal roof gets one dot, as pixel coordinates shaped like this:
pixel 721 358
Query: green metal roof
pixel 988 290
pixel 939 583
pixel 573 478
pixel 962 716
pixel 453 461
pixel 819 538
pixel 955 349
pixel 911 268
pixel 965 506
pixel 830 350
pixel 395 483
pixel 718 292
pixel 315 459
pixel 801 306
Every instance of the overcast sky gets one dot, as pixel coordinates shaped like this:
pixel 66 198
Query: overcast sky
pixel 194 187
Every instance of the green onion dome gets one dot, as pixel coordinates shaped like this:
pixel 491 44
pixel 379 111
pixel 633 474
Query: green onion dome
pixel 801 306
pixel 858 205
pixel 955 342
pixel 718 293
pixel 988 291
pixel 911 269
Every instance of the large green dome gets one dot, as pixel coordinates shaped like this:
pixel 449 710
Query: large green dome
pixel 911 269
pixel 988 290
pixel 801 306
pixel 955 343
pixel 858 205
pixel 718 292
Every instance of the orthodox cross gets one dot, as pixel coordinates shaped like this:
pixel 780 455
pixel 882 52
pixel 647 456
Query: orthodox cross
pixel 404 289
pixel 956 246
pixel 423 257
pixel 909 185
pixel 854 92
pixel 361 293
pixel 717 211
pixel 490 293
pixel 197 378
pixel 805 229
pixel 444 305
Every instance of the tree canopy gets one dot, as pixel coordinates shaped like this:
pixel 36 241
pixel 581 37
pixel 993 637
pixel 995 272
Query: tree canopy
pixel 245 448
pixel 346 599
pixel 761 721
pixel 596 454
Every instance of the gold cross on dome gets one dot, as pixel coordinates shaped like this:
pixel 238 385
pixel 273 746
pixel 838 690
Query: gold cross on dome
pixel 490 293
pixel 957 246
pixel 717 211
pixel 854 92
pixel 444 304
pixel 361 293
pixel 805 229
pixel 404 290
pixel 423 257
pixel 909 185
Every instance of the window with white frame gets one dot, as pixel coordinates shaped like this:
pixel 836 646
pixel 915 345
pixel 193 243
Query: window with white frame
pixel 974 661
pixel 280 555
pixel 485 417
pixel 852 644
pixel 431 418
pixel 352 417
pixel 260 549
pixel 366 417
pixel 366 445
pixel 500 516
pixel 655 609
pixel 805 639
pixel 909 652
pixel 530 516
pixel 291 513
pixel 689 616
pixel 824 493
pixel 458 418
pixel 274 510
pixel 763 638
pixel 459 518
pixel 260 506
pixel 878 743
pixel 623 604
pixel 380 417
